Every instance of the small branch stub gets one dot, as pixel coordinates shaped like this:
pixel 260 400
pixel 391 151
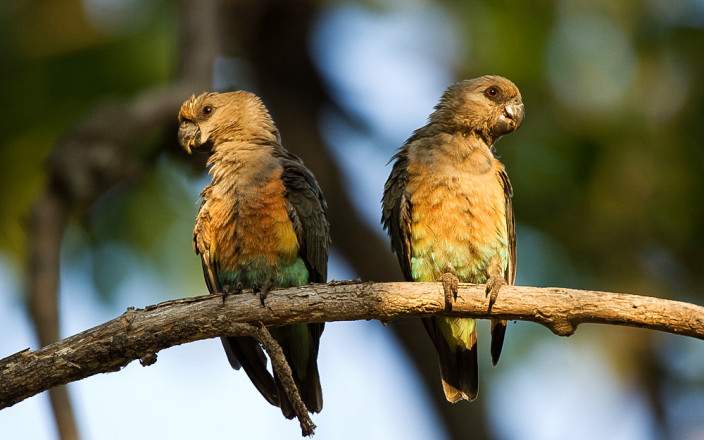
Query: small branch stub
pixel 148 360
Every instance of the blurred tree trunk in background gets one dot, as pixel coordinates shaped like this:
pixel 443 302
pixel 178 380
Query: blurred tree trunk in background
pixel 93 157
pixel 48 221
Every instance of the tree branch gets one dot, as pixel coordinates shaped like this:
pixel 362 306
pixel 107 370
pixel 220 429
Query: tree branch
pixel 141 333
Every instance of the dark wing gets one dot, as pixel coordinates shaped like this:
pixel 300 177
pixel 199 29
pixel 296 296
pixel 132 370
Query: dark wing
pixel 202 248
pixel 308 212
pixel 510 274
pixel 396 211
pixel 498 327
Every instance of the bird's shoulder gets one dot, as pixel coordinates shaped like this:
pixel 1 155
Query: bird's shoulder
pixel 201 239
pixel 395 186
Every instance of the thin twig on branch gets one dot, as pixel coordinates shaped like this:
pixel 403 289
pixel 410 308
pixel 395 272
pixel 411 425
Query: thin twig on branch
pixel 285 375
pixel 140 333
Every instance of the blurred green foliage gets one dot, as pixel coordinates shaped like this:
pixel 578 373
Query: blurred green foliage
pixel 56 65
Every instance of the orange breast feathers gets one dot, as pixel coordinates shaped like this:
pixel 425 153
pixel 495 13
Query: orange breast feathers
pixel 459 214
pixel 246 222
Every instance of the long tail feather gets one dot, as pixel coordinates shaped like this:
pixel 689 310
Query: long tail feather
pixel 498 332
pixel 285 403
pixel 459 368
pixel 308 385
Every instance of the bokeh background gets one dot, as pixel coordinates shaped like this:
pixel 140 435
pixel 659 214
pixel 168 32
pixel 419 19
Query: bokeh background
pixel 98 202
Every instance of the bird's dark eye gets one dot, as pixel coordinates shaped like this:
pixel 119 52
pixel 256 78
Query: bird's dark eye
pixel 492 91
pixel 207 110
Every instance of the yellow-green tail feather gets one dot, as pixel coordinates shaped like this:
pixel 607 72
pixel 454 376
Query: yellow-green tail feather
pixel 455 340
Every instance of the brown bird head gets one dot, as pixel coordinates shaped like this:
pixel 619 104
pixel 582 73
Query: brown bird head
pixel 209 119
pixel 490 106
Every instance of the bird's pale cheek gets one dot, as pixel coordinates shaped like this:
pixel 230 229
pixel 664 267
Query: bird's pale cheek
pixel 203 137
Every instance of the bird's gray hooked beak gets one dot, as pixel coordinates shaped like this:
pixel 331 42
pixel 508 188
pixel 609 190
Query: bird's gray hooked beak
pixel 509 119
pixel 189 136
pixel 515 113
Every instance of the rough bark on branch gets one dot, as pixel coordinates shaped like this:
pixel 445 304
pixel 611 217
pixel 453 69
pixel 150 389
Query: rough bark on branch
pixel 141 333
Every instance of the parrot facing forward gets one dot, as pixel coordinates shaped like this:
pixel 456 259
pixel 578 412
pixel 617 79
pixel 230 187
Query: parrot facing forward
pixel 447 209
pixel 262 223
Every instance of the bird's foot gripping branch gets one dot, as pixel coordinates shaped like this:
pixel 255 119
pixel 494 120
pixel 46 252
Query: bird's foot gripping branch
pixel 141 333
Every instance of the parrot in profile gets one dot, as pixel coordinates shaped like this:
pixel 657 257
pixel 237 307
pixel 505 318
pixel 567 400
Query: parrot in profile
pixel 447 209
pixel 262 223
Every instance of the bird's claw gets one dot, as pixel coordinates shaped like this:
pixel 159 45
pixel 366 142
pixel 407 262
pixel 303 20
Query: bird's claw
pixel 450 284
pixel 263 291
pixel 493 286
pixel 229 289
